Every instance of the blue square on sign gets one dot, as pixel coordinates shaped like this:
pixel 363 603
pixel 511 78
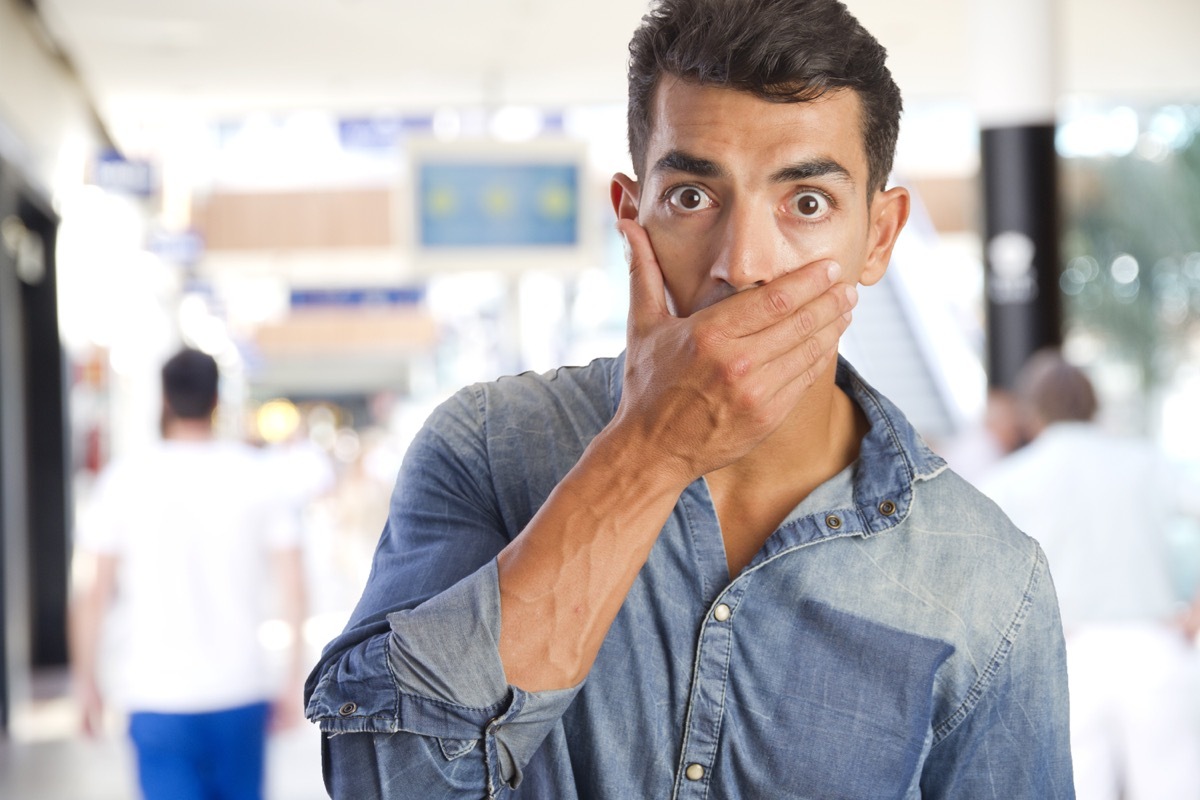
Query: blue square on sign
pixel 485 204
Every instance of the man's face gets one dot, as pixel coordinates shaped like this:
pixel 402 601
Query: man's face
pixel 739 190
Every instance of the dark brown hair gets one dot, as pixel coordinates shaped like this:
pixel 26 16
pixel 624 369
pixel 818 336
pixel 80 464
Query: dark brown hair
pixel 781 50
pixel 1054 390
pixel 189 384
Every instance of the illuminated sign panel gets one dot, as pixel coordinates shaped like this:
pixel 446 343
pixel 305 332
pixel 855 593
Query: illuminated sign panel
pixel 497 204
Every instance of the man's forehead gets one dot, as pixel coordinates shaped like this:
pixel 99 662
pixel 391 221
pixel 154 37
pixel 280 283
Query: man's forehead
pixel 689 116
pixel 702 98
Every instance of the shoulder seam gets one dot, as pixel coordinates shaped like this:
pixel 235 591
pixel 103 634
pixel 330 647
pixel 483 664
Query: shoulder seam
pixel 980 687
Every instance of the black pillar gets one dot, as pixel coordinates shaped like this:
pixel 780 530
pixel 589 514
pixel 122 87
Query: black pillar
pixel 34 467
pixel 1021 246
pixel 1015 50
pixel 14 518
pixel 48 460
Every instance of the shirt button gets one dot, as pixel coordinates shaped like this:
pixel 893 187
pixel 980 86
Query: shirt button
pixel 722 613
pixel 694 772
pixel 833 521
pixel 887 508
pixel 347 709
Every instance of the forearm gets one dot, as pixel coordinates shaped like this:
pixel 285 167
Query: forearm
pixel 83 637
pixel 563 580
pixel 87 611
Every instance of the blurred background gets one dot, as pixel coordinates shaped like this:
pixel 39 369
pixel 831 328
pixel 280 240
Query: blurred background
pixel 358 206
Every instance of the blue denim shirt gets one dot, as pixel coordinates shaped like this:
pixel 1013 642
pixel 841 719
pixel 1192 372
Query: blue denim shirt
pixel 896 637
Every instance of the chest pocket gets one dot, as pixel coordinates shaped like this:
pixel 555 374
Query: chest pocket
pixel 839 706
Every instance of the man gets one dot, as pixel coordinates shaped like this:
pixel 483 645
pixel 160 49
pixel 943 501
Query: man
pixel 181 539
pixel 721 565
pixel 1102 507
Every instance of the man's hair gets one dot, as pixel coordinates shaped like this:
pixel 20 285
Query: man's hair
pixel 1054 390
pixel 189 384
pixel 787 51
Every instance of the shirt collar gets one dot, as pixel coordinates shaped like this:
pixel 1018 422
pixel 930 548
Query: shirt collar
pixel 891 459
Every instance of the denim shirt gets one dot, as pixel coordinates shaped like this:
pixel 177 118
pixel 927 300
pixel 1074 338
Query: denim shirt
pixel 896 636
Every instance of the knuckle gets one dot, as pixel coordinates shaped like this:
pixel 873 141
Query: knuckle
pixel 805 322
pixel 725 375
pixel 778 301
pixel 707 339
pixel 813 352
pixel 735 369
pixel 808 377
pixel 749 401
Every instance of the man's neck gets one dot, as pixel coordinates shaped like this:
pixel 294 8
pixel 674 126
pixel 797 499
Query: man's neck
pixel 818 440
pixel 753 495
pixel 188 430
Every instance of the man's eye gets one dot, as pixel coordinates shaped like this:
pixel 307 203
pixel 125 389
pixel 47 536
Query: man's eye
pixel 689 198
pixel 810 205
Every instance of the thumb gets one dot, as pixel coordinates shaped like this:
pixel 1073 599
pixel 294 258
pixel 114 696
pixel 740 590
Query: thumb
pixel 647 292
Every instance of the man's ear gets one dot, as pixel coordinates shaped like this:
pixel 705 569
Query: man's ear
pixel 889 212
pixel 624 192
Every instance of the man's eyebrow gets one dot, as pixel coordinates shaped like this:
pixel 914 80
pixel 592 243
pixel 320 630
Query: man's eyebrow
pixel 816 168
pixel 679 161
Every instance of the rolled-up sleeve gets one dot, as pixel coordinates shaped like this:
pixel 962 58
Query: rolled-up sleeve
pixel 412 698
pixel 437 674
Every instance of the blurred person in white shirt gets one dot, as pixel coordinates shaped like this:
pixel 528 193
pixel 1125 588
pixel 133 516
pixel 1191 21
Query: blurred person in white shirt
pixel 980 446
pixel 185 539
pixel 1101 506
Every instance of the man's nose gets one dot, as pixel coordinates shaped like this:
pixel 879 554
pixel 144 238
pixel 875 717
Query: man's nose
pixel 747 253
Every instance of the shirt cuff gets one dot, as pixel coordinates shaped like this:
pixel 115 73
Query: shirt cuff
pixel 438 673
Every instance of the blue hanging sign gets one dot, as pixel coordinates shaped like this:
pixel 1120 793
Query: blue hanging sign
pixel 115 173
pixel 497 204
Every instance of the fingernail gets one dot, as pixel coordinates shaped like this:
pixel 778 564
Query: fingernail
pixel 851 293
pixel 835 271
pixel 628 249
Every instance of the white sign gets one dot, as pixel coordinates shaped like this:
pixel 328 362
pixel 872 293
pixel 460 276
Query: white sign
pixel 1012 278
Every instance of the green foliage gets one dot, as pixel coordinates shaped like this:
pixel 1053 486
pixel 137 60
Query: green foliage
pixel 1131 246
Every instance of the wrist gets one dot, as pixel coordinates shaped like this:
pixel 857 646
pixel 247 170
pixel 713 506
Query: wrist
pixel 636 460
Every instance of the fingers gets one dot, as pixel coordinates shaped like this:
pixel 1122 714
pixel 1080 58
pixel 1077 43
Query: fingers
pixel 647 292
pixel 787 297
pixel 791 355
pixel 786 331
pixel 799 366
pixel 804 334
pixel 819 322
